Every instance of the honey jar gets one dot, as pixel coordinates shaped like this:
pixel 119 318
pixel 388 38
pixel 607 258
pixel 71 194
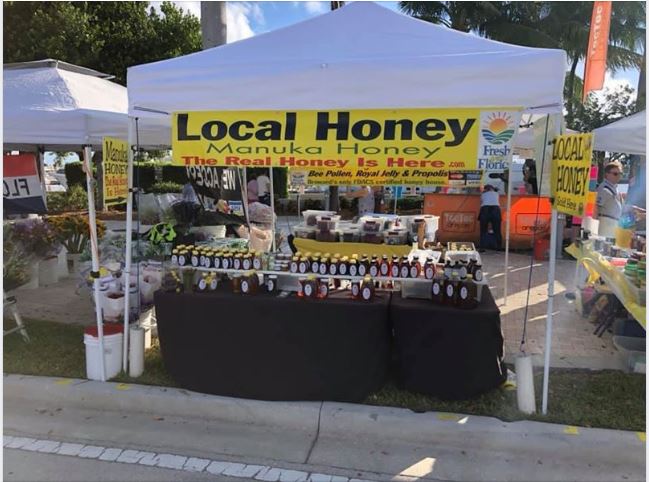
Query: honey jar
pixel 395 267
pixel 246 262
pixel 467 294
pixel 300 291
pixel 294 266
pixel 249 283
pixel 333 267
pixel 216 260
pixel 303 265
pixel 271 283
pixel 315 264
pixel 311 287
pixel 415 269
pixel 353 267
pixel 174 256
pixel 236 283
pixel 355 289
pixel 324 266
pixel 437 289
pixel 429 269
pixel 373 270
pixel 195 258
pixel 363 266
pixel 256 260
pixel 226 261
pixel 367 289
pixel 323 288
pixel 404 268
pixel 343 266
pixel 451 288
pixel 384 268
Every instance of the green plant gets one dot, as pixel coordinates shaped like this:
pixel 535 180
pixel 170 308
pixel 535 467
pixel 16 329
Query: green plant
pixel 75 199
pixel 73 231
pixel 312 204
pixel 176 174
pixel 410 203
pixel 166 187
pixel 15 261
pixel 74 175
pixel 144 175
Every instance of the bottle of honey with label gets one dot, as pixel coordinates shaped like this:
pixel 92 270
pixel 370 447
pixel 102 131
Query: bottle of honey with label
pixel 437 289
pixel 451 288
pixel 467 293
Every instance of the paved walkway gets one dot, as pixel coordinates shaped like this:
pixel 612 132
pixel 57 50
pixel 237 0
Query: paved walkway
pixel 574 345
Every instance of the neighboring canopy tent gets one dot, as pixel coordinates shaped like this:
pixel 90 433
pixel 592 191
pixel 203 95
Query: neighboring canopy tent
pixel 327 62
pixel 627 135
pixel 59 106
pixel 525 138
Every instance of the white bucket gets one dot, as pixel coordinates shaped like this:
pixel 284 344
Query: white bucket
pixel 48 271
pixel 112 356
pixel 113 308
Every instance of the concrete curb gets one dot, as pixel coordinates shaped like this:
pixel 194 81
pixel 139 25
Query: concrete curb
pixel 333 420
pixel 110 396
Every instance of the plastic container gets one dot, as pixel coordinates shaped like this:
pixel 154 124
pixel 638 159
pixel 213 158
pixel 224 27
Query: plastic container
pixel 372 238
pixel 372 224
pixel 632 352
pixel 397 236
pixel 416 289
pixel 304 232
pixel 350 235
pixel 327 223
pixel 113 341
pixel 327 236
pixel 431 222
pixel 311 216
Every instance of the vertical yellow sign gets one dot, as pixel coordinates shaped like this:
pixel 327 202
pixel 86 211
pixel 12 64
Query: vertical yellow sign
pixel 115 163
pixel 571 159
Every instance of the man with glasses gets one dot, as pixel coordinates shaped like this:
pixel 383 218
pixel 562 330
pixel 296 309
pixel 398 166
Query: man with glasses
pixel 609 201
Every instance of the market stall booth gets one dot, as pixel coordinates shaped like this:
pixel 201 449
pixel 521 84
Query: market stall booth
pixel 53 105
pixel 403 83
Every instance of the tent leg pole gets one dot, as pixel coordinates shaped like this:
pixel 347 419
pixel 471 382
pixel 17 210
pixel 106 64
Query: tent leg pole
pixel 92 221
pixel 548 323
pixel 395 201
pixel 41 166
pixel 507 229
pixel 272 208
pixel 126 275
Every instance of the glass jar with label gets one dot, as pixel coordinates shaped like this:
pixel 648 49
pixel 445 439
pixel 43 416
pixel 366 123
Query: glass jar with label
pixel 437 289
pixel 202 284
pixel 315 264
pixel 323 288
pixel 174 256
pixel 258 261
pixel 395 267
pixel 310 287
pixel 384 268
pixel 353 267
pixel 463 271
pixel 294 266
pixel 246 262
pixel 249 283
pixel 477 273
pixel 271 283
pixel 214 282
pixel 236 261
pixel 300 291
pixel 182 258
pixel 429 269
pixel 324 266
pixel 448 269
pixel 343 266
pixel 404 269
pixel 467 295
pixel 355 289
pixel 415 268
pixel 451 288
pixel 333 267
pixel 363 266
pixel 236 283
pixel 303 265
pixel 226 261
pixel 367 289
pixel 374 267
pixel 195 258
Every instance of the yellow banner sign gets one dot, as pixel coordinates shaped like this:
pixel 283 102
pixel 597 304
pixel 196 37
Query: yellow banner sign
pixel 115 163
pixel 397 177
pixel 571 160
pixel 424 143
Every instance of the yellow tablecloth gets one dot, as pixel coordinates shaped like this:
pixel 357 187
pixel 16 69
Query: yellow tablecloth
pixel 598 267
pixel 347 249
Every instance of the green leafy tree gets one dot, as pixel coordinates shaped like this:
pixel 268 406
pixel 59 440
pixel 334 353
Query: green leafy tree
pixel 106 36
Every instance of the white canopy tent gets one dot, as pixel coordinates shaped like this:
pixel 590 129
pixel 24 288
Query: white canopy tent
pixel 362 56
pixel 627 135
pixel 59 106
pixel 52 105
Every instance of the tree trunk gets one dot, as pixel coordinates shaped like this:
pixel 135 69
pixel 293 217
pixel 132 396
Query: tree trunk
pixel 641 100
pixel 570 97
pixel 214 28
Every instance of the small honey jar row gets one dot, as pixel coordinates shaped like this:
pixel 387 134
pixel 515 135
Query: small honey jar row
pixel 355 265
pixel 206 257
pixel 312 287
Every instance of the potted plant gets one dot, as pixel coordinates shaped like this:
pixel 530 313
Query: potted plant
pixel 73 232
pixel 38 239
pixel 16 263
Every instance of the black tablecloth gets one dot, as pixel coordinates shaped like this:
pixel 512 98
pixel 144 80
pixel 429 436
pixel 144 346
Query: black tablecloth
pixel 448 352
pixel 273 348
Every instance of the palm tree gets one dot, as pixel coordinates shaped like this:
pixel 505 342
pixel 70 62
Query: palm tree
pixel 562 25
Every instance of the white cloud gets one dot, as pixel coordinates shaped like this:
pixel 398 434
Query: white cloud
pixel 239 16
pixel 315 8
pixel 612 83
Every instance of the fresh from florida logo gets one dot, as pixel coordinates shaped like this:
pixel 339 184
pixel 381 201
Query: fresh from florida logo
pixel 498 128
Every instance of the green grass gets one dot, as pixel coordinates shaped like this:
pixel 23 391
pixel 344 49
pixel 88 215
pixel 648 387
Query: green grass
pixel 605 399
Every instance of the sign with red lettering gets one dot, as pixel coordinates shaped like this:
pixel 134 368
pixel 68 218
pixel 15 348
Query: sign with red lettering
pixel 22 190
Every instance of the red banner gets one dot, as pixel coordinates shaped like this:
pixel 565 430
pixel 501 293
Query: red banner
pixel 595 68
pixel 22 191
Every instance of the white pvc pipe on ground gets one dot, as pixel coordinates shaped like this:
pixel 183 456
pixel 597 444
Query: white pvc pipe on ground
pixel 126 275
pixel 525 384
pixel 92 221
pixel 136 352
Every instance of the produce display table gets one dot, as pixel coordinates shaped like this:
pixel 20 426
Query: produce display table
pixel 599 267
pixel 445 351
pixel 272 347
pixel 348 249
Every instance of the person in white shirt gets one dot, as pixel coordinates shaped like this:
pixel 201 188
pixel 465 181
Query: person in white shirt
pixel 609 201
pixel 489 214
pixel 263 189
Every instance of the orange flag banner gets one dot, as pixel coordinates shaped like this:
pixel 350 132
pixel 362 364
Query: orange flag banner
pixel 595 68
